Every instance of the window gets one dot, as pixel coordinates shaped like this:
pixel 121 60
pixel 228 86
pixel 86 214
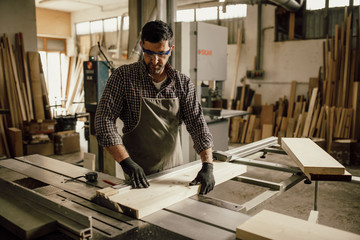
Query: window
pixel 317 19
pixel 106 31
pixel 110 25
pixel 55 66
pixel 208 13
pixel 186 15
pixel 315 4
pixel 338 3
pixel 233 11
pixel 96 27
pixel 82 28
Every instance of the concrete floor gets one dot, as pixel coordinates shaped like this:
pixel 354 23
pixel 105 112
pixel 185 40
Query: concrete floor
pixel 338 202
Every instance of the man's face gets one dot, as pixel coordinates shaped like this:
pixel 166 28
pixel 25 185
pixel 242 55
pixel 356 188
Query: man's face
pixel 156 56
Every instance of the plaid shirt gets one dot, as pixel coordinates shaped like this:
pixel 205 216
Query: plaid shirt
pixel 121 99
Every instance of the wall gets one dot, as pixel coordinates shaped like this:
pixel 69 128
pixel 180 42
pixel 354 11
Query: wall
pixel 53 23
pixel 282 62
pixel 19 16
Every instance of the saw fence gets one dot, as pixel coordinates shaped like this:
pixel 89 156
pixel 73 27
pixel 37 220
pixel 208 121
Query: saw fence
pixel 331 108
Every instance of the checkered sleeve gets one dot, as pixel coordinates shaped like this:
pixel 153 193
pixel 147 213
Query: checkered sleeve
pixel 192 115
pixel 108 110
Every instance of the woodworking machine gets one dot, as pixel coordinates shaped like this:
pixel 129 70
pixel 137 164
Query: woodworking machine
pixel 47 204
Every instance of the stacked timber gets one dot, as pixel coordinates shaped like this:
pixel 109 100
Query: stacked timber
pixel 24 97
pixel 331 109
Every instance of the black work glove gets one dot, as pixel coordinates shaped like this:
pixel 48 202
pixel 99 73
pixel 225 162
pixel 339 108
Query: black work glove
pixel 135 172
pixel 205 177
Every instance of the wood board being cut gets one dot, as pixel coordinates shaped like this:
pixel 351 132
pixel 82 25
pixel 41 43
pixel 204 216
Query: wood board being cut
pixel 165 190
pixel 310 157
pixel 271 225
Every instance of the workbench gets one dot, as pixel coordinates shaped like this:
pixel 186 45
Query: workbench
pixel 37 187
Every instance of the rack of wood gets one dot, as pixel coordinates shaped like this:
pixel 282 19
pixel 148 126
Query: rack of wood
pixel 331 108
pixel 23 91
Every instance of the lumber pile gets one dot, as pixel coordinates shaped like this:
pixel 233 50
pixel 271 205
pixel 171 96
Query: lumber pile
pixel 331 108
pixel 24 97
pixel 16 94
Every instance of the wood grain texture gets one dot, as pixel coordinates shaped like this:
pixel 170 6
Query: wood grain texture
pixel 311 158
pixel 166 190
pixel 271 225
pixel 310 113
pixel 35 78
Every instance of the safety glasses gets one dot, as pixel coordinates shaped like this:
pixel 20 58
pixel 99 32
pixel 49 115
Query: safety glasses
pixel 159 54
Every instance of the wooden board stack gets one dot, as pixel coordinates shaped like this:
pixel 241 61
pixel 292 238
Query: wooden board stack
pixel 331 109
pixel 23 91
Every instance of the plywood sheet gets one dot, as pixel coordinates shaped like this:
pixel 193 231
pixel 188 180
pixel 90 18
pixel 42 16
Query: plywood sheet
pixel 271 225
pixel 311 158
pixel 166 190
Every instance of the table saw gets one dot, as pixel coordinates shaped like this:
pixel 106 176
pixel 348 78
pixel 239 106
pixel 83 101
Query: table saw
pixel 47 204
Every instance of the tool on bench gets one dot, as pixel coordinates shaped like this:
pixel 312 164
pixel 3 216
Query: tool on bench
pixel 90 176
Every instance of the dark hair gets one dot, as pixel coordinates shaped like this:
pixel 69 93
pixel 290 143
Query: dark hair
pixel 156 31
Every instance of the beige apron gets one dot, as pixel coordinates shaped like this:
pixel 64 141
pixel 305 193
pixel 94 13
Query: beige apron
pixel 154 143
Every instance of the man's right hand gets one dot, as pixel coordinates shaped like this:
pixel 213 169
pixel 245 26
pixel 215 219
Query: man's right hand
pixel 135 172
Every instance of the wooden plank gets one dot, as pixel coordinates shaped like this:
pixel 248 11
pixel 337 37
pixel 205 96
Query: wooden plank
pixel 3 136
pixel 309 116
pixel 331 128
pixel 297 111
pixel 34 62
pixel 314 121
pixel 10 88
pixel 250 131
pixel 346 177
pixel 292 26
pixel 68 81
pixel 242 98
pixel 267 130
pixel 17 83
pixel 89 161
pixel 347 59
pixel 27 80
pixel 292 99
pixel 257 134
pixel 271 225
pixel 257 100
pixel 347 127
pixel 236 125
pixel 277 125
pixel 166 190
pixel 311 158
pixel 301 125
pixel 355 133
pixel 319 121
pixel 244 130
pixel 16 142
pixel 267 114
pixel 290 129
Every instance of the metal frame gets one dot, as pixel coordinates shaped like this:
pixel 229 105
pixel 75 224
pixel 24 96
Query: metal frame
pixel 71 222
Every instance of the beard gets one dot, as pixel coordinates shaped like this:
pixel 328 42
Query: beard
pixel 155 69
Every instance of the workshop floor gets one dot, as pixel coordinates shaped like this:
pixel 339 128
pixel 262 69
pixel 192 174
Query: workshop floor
pixel 338 202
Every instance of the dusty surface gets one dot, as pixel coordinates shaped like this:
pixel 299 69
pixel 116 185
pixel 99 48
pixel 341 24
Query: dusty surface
pixel 338 202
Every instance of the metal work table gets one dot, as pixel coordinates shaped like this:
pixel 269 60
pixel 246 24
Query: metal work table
pixel 41 182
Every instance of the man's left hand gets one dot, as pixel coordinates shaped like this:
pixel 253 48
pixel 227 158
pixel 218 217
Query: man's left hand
pixel 205 177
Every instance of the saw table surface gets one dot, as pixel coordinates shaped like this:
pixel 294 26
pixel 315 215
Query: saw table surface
pixel 47 176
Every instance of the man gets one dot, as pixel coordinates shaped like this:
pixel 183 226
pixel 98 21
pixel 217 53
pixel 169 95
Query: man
pixel 153 99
